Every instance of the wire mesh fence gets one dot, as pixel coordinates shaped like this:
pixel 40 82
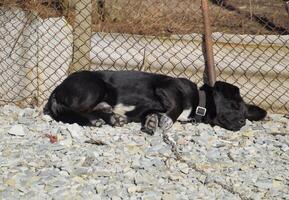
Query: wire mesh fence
pixel 42 41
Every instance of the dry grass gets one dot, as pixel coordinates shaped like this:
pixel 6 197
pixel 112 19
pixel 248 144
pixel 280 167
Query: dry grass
pixel 161 17
pixel 44 8
pixel 274 10
pixel 165 17
pixel 152 17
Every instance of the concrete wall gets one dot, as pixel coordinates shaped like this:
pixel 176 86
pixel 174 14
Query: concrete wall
pixel 34 55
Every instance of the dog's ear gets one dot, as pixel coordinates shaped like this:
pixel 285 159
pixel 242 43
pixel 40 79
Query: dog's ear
pixel 255 113
pixel 227 90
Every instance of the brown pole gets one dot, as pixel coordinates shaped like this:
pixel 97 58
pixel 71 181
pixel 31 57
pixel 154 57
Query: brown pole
pixel 286 4
pixel 210 71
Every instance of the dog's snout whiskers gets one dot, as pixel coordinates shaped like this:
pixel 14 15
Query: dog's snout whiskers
pixel 242 121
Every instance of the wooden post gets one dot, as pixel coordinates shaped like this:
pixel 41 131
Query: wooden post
pixel 210 71
pixel 286 4
pixel 81 35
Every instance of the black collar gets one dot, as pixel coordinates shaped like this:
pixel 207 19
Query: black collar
pixel 201 108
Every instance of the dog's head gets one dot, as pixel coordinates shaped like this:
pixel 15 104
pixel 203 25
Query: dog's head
pixel 230 110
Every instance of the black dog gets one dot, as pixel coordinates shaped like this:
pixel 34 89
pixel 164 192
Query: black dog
pixel 118 97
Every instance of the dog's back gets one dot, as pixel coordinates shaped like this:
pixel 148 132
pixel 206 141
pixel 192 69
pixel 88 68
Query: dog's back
pixel 82 91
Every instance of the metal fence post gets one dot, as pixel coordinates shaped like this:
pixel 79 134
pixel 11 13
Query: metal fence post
pixel 81 35
pixel 210 71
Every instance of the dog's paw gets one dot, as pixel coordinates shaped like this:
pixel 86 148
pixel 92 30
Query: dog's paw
pixel 118 120
pixel 165 122
pixel 103 107
pixel 151 124
pixel 97 122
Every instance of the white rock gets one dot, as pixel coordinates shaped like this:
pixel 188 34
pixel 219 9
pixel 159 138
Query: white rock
pixel 133 189
pixel 183 167
pixel 139 166
pixel 17 130
pixel 264 184
pixel 76 132
pixel 66 142
pixel 47 118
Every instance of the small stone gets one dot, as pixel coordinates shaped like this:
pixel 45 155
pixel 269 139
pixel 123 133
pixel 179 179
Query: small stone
pixel 213 155
pixel 47 118
pixel 116 198
pixel 183 167
pixel 78 179
pixel 46 173
pixel 145 178
pixel 258 127
pixel 182 141
pixel 277 184
pixel 78 171
pixel 17 130
pixel 146 164
pixel 58 182
pixel 248 122
pixel 178 126
pixel 103 173
pixel 133 189
pixel 285 148
pixel 64 173
pixel 248 134
pixel 10 182
pixel 202 178
pixel 176 176
pixel 66 142
pixel 99 188
pixel 168 196
pixel 151 195
pixel 26 115
pixel 88 161
pixel 264 184
pixel 133 148
pixel 76 132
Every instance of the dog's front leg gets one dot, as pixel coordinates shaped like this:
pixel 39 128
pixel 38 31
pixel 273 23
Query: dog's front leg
pixel 103 112
pixel 172 102
pixel 157 119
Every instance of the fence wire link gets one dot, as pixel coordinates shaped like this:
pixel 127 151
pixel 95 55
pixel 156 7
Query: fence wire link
pixel 42 41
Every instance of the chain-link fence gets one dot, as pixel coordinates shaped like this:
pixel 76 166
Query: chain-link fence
pixel 41 41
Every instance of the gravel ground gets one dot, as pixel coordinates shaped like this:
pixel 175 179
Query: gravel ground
pixel 43 159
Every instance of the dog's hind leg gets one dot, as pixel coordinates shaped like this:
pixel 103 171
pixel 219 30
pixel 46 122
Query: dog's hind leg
pixel 165 122
pixel 150 123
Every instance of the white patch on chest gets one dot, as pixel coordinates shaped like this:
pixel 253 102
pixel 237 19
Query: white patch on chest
pixel 122 109
pixel 185 115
